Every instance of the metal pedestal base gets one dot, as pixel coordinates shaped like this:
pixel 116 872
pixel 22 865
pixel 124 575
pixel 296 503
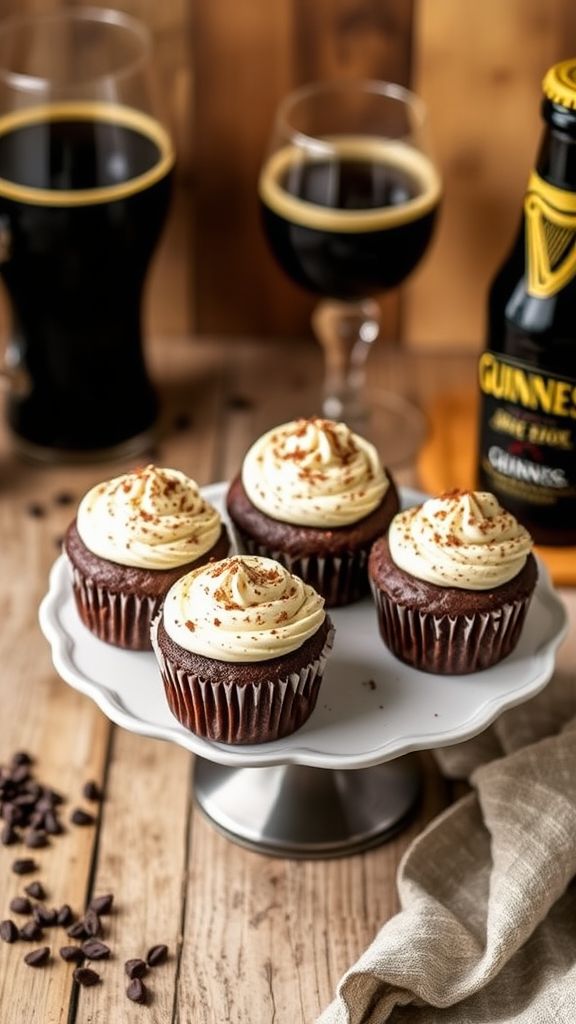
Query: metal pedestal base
pixel 300 812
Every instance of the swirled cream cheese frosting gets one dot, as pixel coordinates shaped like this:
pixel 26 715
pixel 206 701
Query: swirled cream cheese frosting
pixel 242 609
pixel 462 539
pixel 314 472
pixel 151 519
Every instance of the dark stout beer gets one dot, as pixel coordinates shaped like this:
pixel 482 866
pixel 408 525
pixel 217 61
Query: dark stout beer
pixel 84 190
pixel 352 222
pixel 527 374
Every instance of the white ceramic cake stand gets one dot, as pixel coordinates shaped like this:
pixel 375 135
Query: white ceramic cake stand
pixel 299 796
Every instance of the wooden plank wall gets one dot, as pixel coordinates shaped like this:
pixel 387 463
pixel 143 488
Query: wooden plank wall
pixel 224 65
pixel 479 67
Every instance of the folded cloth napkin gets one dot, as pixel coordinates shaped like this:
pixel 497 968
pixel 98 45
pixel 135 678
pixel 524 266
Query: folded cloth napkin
pixel 487 929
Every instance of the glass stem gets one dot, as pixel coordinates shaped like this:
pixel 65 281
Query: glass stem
pixel 346 331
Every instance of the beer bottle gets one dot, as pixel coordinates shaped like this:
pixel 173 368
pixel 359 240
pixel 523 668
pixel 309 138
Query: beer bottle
pixel 527 374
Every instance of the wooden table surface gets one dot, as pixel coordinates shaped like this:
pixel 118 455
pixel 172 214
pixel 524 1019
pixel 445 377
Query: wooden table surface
pixel 252 939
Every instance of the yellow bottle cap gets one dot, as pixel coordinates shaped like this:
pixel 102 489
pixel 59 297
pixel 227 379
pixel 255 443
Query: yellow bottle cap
pixel 559 83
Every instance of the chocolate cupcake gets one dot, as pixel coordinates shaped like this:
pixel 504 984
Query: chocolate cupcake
pixel 132 538
pixel 452 583
pixel 241 646
pixel 313 496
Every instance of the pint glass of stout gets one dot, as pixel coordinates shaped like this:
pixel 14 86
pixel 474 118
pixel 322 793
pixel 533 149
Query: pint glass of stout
pixel 85 168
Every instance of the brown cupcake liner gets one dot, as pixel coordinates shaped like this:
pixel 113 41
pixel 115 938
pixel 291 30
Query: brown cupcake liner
pixel 248 713
pixel 120 619
pixel 340 579
pixel 450 644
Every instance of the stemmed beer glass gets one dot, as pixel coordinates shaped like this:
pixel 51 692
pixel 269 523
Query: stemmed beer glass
pixel 85 167
pixel 349 198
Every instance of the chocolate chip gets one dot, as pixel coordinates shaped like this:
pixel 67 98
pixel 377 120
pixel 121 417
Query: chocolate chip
pixel 102 904
pixel 8 931
pixel 24 866
pixel 37 821
pixel 21 757
pixel 92 923
pixel 72 954
pixel 31 931
pixel 35 510
pixel 64 916
pixel 91 791
pixel 9 835
pixel 36 890
pixel 12 814
pixel 52 796
pixel 25 801
pixel 156 955
pixel 86 976
pixel 95 950
pixel 80 817
pixel 137 991
pixel 20 774
pixel 77 930
pixel 52 825
pixel 45 916
pixel 20 905
pixel 38 957
pixel 35 839
pixel 136 968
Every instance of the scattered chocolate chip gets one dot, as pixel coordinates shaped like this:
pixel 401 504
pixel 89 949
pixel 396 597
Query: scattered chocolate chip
pixel 20 774
pixel 52 796
pixel 64 916
pixel 136 968
pixel 37 821
pixel 91 791
pixel 25 801
pixel 95 950
pixel 8 931
pixel 63 498
pixel 239 402
pixel 24 866
pixel 52 825
pixel 31 931
pixel 80 817
pixel 157 955
pixel 35 839
pixel 102 904
pixel 86 976
pixel 12 814
pixel 36 890
pixel 9 835
pixel 77 931
pixel 92 923
pixel 72 954
pixel 20 905
pixel 137 991
pixel 181 421
pixel 21 757
pixel 35 510
pixel 38 957
pixel 45 916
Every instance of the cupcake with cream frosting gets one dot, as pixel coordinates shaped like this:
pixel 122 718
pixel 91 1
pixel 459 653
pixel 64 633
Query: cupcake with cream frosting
pixel 452 583
pixel 132 537
pixel 313 495
pixel 241 646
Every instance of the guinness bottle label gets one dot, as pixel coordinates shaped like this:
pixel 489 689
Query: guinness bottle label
pixel 529 432
pixel 550 237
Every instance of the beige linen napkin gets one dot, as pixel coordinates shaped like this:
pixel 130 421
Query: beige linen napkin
pixel 487 930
